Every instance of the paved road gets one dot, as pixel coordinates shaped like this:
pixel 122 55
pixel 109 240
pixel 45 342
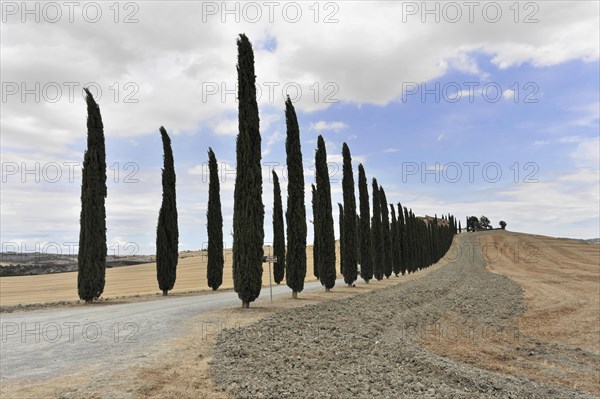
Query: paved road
pixel 47 344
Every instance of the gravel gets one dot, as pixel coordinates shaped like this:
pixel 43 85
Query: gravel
pixel 366 346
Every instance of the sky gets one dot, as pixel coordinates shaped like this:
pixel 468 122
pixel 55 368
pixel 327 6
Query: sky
pixel 481 108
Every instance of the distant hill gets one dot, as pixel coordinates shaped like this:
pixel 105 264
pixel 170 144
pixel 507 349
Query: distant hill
pixel 594 240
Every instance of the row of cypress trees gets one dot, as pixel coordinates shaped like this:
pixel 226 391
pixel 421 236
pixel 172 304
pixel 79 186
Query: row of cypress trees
pixel 402 244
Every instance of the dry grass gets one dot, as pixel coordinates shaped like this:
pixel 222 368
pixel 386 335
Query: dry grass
pixel 561 283
pixel 125 281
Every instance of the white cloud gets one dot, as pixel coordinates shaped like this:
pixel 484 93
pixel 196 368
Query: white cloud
pixel 333 126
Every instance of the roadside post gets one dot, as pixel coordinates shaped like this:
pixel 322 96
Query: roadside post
pixel 270 259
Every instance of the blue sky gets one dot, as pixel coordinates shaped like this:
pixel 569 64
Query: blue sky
pixel 540 130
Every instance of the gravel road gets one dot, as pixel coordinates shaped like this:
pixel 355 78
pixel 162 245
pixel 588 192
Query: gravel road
pixel 366 346
pixel 101 337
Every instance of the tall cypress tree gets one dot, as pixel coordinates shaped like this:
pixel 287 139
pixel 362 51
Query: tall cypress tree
pixel 327 273
pixel 349 258
pixel 296 211
pixel 395 243
pixel 387 237
pixel 366 255
pixel 377 234
pixel 278 231
pixel 342 242
pixel 459 227
pixel 315 232
pixel 91 258
pixel 167 232
pixel 402 239
pixel 214 226
pixel 248 209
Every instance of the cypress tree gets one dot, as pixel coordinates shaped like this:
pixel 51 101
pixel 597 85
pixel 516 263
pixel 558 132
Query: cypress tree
pixel 327 273
pixel 315 232
pixel 91 258
pixel 402 239
pixel 342 241
pixel 377 234
pixel 395 243
pixel 278 232
pixel 358 240
pixel 296 210
pixel 366 256
pixel 349 261
pixel 214 226
pixel 387 237
pixel 248 209
pixel 167 232
pixel 459 227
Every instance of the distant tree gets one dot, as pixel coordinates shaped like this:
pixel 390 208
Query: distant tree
pixel 503 225
pixel 316 232
pixel 278 232
pixel 248 209
pixel 296 211
pixel 167 232
pixel 366 256
pixel 349 258
pixel 473 223
pixel 387 236
pixel 91 258
pixel 214 226
pixel 377 233
pixel 459 227
pixel 327 272
pixel 484 222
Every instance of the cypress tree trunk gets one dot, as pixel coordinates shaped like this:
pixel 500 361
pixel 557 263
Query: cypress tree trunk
pixel 377 234
pixel 366 256
pixel 326 235
pixel 278 232
pixel 167 233
pixel 296 210
pixel 342 242
pixel 349 258
pixel 387 241
pixel 214 226
pixel 248 209
pixel 316 232
pixel 91 258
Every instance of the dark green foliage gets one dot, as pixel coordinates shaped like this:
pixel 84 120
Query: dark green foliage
pixel 349 261
pixel 366 255
pixel 278 232
pixel 167 232
pixel 296 211
pixel 396 261
pixel 387 236
pixel 401 239
pixel 326 257
pixel 358 259
pixel 248 209
pixel 315 232
pixel 459 227
pixel 214 226
pixel 91 258
pixel 342 242
pixel 377 234
pixel 502 225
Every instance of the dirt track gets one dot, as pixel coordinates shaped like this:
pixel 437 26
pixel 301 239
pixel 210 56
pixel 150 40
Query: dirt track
pixel 373 345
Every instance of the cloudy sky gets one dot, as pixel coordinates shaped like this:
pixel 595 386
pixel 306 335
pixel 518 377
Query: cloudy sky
pixel 481 108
